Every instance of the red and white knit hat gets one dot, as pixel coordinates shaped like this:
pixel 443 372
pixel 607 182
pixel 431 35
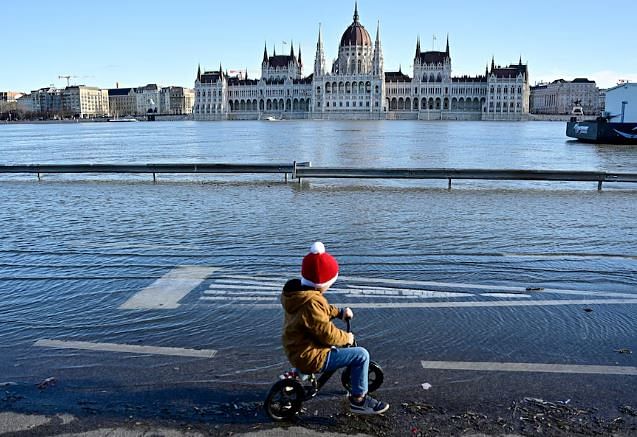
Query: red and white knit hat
pixel 319 268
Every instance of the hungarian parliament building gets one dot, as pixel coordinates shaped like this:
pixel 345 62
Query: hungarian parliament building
pixel 356 86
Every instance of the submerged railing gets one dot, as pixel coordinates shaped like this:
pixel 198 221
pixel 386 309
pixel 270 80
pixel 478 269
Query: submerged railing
pixel 301 170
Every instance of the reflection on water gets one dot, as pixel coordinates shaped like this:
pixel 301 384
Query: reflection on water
pixel 71 252
pixel 530 145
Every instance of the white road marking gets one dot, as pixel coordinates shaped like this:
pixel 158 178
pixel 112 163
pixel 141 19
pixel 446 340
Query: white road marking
pixel 243 287
pixel 486 287
pixel 456 285
pixel 167 291
pixel 126 348
pixel 506 295
pixel 239 298
pixel 530 367
pixel 404 292
pixel 251 282
pixel 239 293
pixel 504 303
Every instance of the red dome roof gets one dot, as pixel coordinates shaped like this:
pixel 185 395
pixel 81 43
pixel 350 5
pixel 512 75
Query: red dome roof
pixel 356 35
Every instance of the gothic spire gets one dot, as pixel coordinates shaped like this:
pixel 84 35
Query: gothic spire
pixel 447 50
pixel 300 61
pixel 356 18
pixel 492 63
pixel 378 62
pixel 199 72
pixel 292 49
pixel 319 60
pixel 418 47
pixel 378 33
pixel 265 53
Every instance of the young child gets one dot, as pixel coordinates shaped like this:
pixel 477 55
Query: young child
pixel 311 341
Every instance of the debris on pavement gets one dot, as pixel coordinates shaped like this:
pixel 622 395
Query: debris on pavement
pixel 48 382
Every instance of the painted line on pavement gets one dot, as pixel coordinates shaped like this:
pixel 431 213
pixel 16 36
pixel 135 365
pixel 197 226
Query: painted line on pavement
pixel 231 299
pixel 530 367
pixel 456 285
pixel 126 348
pixel 488 287
pixel 504 303
pixel 167 291
pixel 243 287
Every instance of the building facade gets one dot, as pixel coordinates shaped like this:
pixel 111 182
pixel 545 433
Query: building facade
pixel 9 101
pixel 176 100
pixel 85 102
pixel 356 85
pixel 122 102
pixel 560 97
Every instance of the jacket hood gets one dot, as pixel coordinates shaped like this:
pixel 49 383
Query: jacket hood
pixel 295 295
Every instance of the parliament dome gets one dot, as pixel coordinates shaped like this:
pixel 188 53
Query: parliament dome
pixel 355 34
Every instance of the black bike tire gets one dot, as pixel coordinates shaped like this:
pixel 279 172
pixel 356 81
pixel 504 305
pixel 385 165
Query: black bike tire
pixel 288 388
pixel 375 376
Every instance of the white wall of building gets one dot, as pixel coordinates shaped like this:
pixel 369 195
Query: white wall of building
pixel 622 93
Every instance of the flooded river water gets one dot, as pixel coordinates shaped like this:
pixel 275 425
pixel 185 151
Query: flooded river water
pixel 487 271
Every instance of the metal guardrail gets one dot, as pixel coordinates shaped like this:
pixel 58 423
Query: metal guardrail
pixel 300 170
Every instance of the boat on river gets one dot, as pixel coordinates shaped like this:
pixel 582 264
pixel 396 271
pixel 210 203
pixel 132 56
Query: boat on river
pixel 122 120
pixel 618 123
pixel 602 131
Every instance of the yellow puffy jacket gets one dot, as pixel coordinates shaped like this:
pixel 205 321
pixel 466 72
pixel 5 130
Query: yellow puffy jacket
pixel 308 331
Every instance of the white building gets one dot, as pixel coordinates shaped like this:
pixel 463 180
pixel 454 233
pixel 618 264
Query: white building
pixel 622 102
pixel 147 99
pixel 560 96
pixel 85 102
pixel 356 85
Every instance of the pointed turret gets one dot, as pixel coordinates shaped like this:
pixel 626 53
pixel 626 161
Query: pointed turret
pixel 292 49
pixel 274 51
pixel 356 17
pixel 319 60
pixel 447 49
pixel 520 63
pixel 199 73
pixel 378 67
pixel 492 63
pixel 417 48
pixel 265 53
pixel 300 60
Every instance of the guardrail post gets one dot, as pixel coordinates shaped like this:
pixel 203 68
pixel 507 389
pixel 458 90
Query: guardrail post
pixel 154 178
pixel 599 185
pixel 39 178
pixel 449 186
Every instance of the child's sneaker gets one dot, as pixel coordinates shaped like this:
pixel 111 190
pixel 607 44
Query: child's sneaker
pixel 368 405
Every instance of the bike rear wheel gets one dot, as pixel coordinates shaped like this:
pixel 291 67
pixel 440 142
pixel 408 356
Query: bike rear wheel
pixel 284 400
pixel 375 377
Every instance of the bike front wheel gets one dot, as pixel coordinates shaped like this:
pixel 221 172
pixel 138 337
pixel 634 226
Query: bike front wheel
pixel 284 400
pixel 375 377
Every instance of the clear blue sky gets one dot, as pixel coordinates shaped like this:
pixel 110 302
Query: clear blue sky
pixel 160 41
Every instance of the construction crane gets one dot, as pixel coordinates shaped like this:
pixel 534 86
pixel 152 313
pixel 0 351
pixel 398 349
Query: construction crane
pixel 68 79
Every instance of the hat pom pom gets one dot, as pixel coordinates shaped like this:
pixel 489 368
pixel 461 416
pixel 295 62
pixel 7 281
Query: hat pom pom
pixel 317 248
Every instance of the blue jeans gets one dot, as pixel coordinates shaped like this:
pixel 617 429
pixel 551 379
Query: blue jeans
pixel 357 359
